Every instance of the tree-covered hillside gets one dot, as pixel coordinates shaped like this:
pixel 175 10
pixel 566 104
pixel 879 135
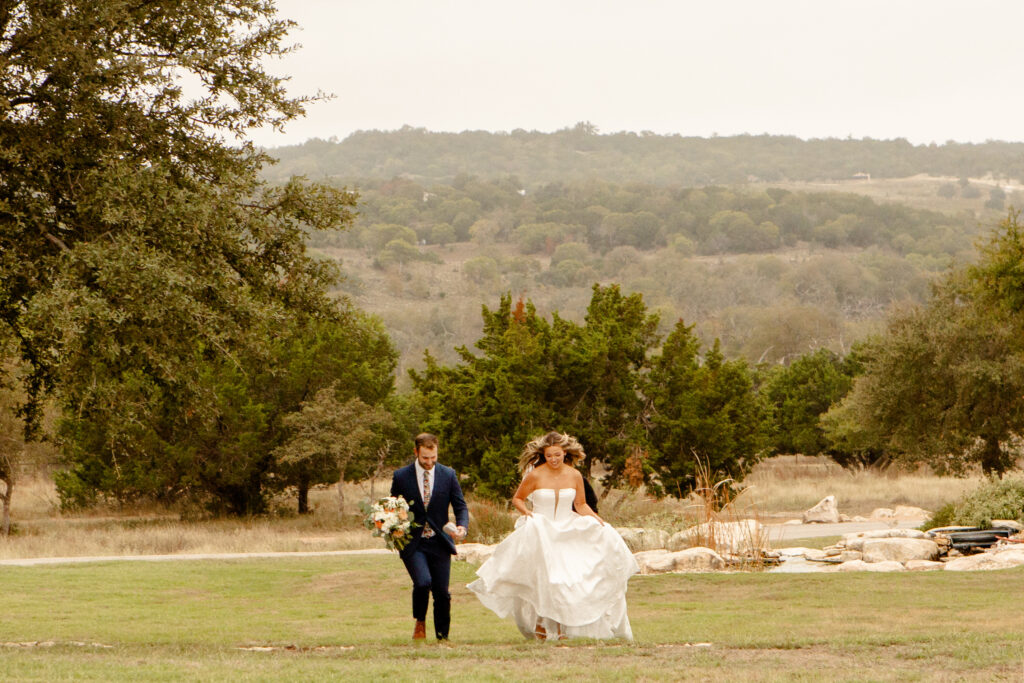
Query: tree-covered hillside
pixel 581 152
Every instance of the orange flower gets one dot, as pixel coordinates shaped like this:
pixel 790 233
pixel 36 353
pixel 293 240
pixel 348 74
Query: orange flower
pixel 403 515
pixel 379 523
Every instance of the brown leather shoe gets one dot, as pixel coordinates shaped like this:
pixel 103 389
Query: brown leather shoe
pixel 420 632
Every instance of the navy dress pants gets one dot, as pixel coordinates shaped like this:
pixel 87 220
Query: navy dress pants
pixel 430 567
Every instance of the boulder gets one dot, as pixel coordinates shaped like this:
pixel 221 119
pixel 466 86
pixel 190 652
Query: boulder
pixel 882 514
pixel 474 553
pixel 639 540
pixel 697 560
pixel 862 566
pixel 809 553
pixel 650 560
pixel 1003 559
pixel 909 512
pixel 1007 524
pixel 825 512
pixel 899 549
pixel 855 541
pixel 850 556
pixel 731 537
pixel 923 565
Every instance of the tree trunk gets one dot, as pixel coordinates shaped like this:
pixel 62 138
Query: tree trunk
pixel 303 495
pixel 992 457
pixel 341 495
pixel 5 525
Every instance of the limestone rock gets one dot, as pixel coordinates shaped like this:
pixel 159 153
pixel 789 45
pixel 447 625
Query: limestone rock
pixel 825 512
pixel 923 565
pixel 862 566
pixel 647 558
pixel 638 539
pixel 474 553
pixel 809 553
pixel 1007 524
pixel 1003 559
pixel 850 556
pixel 697 560
pixel 732 537
pixel 855 541
pixel 899 549
pixel 798 564
pixel 882 514
pixel 910 512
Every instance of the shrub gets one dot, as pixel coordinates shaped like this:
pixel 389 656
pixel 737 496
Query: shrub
pixel 997 499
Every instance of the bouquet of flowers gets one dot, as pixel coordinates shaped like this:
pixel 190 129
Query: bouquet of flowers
pixel 390 518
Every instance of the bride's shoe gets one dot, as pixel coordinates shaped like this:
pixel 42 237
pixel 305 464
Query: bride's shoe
pixel 561 633
pixel 539 632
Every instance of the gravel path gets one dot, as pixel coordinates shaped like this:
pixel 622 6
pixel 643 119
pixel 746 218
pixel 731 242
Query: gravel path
pixel 786 532
pixel 37 561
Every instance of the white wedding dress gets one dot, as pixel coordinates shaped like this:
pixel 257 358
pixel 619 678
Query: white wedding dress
pixel 561 568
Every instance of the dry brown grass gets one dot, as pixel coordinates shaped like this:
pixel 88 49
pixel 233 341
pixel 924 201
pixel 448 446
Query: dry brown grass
pixel 778 488
pixel 788 485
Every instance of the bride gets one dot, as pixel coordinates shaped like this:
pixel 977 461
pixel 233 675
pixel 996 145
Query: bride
pixel 560 573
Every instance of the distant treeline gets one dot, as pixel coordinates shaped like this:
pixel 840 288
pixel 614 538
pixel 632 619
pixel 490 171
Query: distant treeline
pixel 599 216
pixel 580 152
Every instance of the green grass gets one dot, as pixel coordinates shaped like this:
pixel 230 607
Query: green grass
pixel 348 618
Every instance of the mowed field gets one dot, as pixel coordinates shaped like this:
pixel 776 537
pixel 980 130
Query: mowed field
pixel 347 618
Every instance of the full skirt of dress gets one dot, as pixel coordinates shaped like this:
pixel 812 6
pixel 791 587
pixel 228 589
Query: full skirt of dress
pixel 571 572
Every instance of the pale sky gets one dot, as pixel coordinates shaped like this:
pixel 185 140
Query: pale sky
pixel 924 70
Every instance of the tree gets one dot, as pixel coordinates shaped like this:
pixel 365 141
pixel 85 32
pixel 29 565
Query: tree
pixel 331 441
pixel 533 376
pixel 795 396
pixel 217 450
pixel 698 408
pixel 140 248
pixel 945 383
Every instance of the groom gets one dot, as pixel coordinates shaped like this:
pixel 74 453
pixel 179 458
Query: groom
pixel 429 489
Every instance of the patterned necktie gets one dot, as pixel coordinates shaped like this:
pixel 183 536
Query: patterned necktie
pixel 427 531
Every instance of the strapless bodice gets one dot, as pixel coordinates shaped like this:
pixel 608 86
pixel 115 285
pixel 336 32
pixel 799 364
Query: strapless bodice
pixel 553 504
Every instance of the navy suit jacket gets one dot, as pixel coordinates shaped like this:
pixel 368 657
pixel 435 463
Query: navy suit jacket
pixel 446 491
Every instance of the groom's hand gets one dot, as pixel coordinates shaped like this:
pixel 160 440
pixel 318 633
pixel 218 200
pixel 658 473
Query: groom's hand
pixel 460 532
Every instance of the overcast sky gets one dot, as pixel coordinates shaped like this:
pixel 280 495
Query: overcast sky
pixel 924 70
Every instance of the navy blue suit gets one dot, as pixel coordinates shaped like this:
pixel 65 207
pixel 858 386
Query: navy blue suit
pixel 429 560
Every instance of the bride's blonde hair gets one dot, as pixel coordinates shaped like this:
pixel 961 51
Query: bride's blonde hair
pixel 533 453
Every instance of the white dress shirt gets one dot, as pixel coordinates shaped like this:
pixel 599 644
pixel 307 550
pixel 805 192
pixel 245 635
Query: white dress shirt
pixel 419 478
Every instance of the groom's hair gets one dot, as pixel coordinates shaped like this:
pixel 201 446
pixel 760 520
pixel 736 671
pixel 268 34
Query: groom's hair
pixel 425 439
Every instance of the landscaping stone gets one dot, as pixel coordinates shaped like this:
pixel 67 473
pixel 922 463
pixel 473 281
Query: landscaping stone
pixel 800 565
pixel 697 560
pixel 645 559
pixel 855 541
pixel 862 566
pixel 1007 524
pixel 474 553
pixel 809 553
pixel 923 565
pixel 1001 559
pixel 638 539
pixel 850 556
pixel 825 512
pixel 899 549
pixel 910 512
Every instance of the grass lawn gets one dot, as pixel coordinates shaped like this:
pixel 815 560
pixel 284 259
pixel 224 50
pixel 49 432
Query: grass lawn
pixel 348 618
